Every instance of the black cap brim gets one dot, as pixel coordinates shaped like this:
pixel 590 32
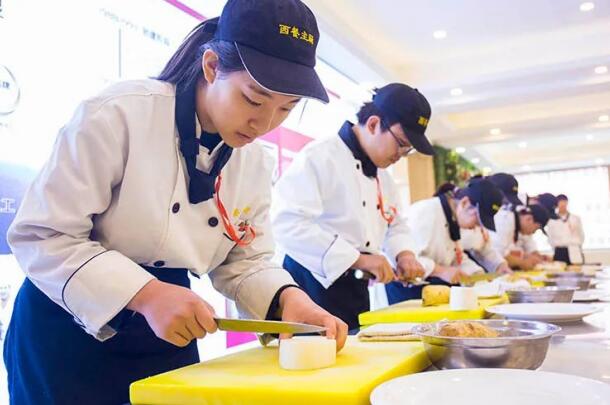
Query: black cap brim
pixel 513 199
pixel 488 221
pixel 419 142
pixel 282 76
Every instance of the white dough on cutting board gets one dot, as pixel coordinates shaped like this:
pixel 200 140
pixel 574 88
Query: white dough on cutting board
pixel 307 352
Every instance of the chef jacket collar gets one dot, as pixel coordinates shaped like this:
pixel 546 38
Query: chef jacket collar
pixel 349 138
pixel 454 228
pixel 201 184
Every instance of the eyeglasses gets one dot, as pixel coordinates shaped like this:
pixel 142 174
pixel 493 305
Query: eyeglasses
pixel 404 149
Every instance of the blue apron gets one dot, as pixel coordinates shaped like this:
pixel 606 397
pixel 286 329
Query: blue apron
pixel 396 292
pixel 346 298
pixel 562 255
pixel 52 361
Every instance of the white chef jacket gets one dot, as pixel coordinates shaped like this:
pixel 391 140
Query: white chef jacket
pixel 503 239
pixel 114 194
pixel 480 248
pixel 432 242
pixel 565 231
pixel 324 211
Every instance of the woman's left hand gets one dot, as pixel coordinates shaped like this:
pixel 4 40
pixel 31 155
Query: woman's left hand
pixel 296 306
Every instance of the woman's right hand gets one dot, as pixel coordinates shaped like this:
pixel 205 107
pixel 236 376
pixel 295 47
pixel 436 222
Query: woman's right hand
pixel 449 274
pixel 377 265
pixel 176 314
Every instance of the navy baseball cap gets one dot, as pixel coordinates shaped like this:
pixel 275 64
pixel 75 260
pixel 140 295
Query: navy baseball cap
pixel 548 201
pixel 402 104
pixel 277 43
pixel 483 194
pixel 540 214
pixel 509 186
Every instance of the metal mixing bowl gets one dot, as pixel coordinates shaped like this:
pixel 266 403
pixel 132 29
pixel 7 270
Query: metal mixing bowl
pixel 569 274
pixel 581 283
pixel 542 294
pixel 521 344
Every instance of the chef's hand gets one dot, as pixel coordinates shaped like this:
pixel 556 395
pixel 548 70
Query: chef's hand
pixel 176 314
pixel 503 268
pixel 407 266
pixel 377 265
pixel 449 274
pixel 530 261
pixel 296 306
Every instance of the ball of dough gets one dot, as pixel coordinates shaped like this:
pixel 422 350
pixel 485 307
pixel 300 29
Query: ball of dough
pixel 435 295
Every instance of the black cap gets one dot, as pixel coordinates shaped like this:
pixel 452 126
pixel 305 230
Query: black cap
pixel 487 197
pixel 402 104
pixel 548 201
pixel 509 186
pixel 540 214
pixel 277 42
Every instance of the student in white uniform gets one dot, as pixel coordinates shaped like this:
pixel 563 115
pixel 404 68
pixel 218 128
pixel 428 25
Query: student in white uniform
pixel 435 225
pixel 513 236
pixel 566 235
pixel 149 181
pixel 336 208
pixel 476 242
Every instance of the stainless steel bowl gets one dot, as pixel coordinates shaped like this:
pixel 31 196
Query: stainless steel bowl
pixel 541 294
pixel 581 283
pixel 569 274
pixel 521 344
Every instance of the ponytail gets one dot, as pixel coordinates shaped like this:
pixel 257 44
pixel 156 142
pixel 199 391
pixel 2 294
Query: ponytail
pixel 185 64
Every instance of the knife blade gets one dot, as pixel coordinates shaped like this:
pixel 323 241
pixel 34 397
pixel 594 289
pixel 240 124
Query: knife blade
pixel 258 326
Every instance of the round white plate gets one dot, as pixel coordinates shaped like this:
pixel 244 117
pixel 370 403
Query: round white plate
pixel 491 386
pixel 549 312
pixel 603 275
pixel 590 295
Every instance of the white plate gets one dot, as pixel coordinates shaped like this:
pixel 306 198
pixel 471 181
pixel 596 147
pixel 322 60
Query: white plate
pixel 590 295
pixel 549 312
pixel 491 386
pixel 603 275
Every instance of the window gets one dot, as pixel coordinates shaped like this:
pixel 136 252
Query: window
pixel 589 196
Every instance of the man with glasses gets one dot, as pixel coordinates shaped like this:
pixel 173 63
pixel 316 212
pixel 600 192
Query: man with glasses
pixel 336 213
pixel 436 226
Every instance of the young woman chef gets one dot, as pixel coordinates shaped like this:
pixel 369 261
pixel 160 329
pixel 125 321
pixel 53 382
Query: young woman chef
pixel 150 180
pixel 435 226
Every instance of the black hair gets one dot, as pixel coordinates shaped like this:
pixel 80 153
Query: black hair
pixel 185 64
pixel 562 197
pixel 367 111
pixel 444 188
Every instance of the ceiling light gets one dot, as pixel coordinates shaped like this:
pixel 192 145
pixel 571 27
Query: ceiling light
pixel 456 92
pixel 599 161
pixel 603 118
pixel 600 70
pixel 590 137
pixel 439 34
pixel 460 149
pixel 587 6
pixel 495 131
pixel 475 160
pixel 526 167
pixel 522 145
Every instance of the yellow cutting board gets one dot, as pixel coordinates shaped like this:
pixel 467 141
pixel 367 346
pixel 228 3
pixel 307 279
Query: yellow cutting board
pixel 533 276
pixel 255 377
pixel 413 311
